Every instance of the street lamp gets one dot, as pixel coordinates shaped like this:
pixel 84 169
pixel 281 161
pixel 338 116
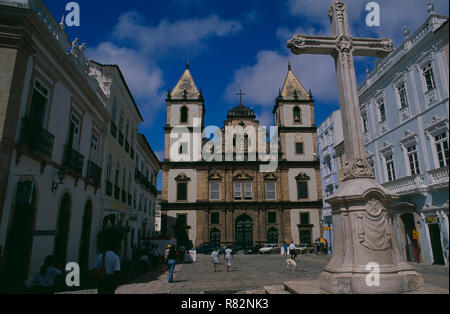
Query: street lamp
pixel 61 176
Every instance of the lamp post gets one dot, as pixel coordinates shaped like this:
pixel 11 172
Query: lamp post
pixel 61 176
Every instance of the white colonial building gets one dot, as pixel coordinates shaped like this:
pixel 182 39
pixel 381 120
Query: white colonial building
pixel 405 109
pixel 53 118
pixel 57 114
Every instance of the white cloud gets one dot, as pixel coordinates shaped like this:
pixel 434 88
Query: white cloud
pixel 167 36
pixel 262 81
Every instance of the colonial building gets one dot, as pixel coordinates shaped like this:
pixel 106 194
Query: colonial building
pixel 332 162
pixel 146 176
pixel 60 149
pixel 234 202
pixel 119 170
pixel 53 121
pixel 404 107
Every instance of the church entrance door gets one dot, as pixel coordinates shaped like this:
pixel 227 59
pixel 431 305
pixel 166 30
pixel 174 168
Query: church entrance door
pixel 244 231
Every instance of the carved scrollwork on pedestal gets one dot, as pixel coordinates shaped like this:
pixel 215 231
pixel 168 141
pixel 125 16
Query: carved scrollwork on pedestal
pixel 358 168
pixel 373 227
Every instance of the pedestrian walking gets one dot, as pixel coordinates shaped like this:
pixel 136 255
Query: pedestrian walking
pixel 107 269
pixel 215 259
pixel 171 260
pixel 228 256
pixel 285 246
pixel 292 251
pixel 45 279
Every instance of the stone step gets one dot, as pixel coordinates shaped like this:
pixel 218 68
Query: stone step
pixel 303 287
pixel 279 289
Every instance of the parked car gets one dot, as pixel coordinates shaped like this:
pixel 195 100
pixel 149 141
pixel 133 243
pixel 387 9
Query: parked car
pixel 253 249
pixel 205 248
pixel 306 248
pixel 270 248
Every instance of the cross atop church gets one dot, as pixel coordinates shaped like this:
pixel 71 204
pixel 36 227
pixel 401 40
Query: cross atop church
pixel 240 94
pixel 342 46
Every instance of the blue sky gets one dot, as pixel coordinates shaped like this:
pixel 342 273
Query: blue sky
pixel 231 45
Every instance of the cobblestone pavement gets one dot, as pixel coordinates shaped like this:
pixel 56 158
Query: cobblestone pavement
pixel 250 274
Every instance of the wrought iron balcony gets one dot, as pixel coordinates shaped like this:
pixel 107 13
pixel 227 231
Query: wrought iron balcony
pixel 73 160
pixel 120 138
pixel 37 138
pixel 124 196
pixel 407 185
pixel 117 193
pixel 137 175
pixel 94 173
pixel 438 177
pixel 109 188
pixel 113 130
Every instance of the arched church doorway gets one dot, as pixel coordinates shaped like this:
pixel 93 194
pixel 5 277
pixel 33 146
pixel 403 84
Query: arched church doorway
pixel 19 243
pixel 85 236
pixel 244 231
pixel 62 230
pixel 272 236
pixel 411 243
pixel 214 237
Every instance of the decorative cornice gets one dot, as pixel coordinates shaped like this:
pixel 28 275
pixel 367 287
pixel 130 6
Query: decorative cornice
pixel 182 178
pixel 270 176
pixel 214 175
pixel 241 175
pixel 302 177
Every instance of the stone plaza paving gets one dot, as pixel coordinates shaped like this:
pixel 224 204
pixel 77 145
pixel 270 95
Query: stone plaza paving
pixel 259 274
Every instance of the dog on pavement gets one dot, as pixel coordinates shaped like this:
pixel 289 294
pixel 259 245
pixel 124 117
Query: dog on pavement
pixel 291 264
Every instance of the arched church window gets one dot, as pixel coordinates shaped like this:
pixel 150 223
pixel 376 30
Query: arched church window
pixel 184 114
pixel 297 115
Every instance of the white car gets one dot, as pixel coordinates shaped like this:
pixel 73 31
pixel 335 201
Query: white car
pixel 270 248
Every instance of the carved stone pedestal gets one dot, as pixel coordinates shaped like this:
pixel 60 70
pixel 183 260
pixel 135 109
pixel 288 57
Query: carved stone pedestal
pixel 364 238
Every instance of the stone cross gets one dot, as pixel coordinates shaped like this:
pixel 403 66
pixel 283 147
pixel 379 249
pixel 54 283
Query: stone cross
pixel 342 46
pixel 240 94
pixel 365 236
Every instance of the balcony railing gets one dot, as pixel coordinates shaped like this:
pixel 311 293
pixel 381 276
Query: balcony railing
pixel 438 177
pixel 120 138
pixel 124 197
pixel 94 173
pixel 113 130
pixel 73 160
pixel 137 175
pixel 117 193
pixel 37 138
pixel 406 185
pixel 109 188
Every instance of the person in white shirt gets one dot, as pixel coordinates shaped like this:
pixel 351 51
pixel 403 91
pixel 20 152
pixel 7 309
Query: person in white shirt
pixel 45 278
pixel 228 255
pixel 215 258
pixel 111 263
pixel 292 248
